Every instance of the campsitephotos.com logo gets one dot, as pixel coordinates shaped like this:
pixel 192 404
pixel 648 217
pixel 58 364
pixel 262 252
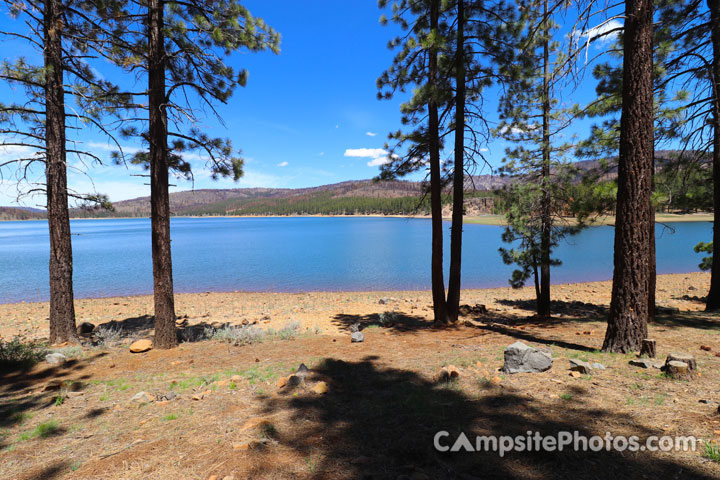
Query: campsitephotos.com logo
pixel 564 440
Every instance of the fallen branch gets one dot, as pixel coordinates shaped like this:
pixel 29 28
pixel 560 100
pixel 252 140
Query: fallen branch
pixel 136 442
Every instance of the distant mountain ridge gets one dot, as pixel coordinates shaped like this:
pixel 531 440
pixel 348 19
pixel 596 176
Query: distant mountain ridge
pixel 21 213
pixel 366 196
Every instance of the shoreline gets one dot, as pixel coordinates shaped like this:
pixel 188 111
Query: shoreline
pixel 488 219
pixel 329 311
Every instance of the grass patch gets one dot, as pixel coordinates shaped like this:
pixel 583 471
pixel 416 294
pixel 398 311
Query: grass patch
pixel 566 396
pixel 236 335
pixel 43 430
pixel 712 452
pixel 288 332
pixel 170 417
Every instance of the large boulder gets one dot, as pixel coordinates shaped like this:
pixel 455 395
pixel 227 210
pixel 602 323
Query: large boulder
pixel 520 358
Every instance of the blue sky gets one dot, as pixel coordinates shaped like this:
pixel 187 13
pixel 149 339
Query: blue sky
pixel 308 116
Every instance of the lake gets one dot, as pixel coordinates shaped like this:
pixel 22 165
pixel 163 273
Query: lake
pixel 112 257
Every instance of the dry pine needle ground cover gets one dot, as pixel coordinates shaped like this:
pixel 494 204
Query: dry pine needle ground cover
pixel 215 409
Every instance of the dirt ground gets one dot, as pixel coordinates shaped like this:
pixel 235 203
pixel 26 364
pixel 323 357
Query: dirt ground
pixel 215 409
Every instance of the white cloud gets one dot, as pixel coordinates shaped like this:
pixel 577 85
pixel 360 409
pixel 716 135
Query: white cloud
pixel 378 161
pixel 282 164
pixel 378 156
pixel 370 134
pixel 365 152
pixel 606 30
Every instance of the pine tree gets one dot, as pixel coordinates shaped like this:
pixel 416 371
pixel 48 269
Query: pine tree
pixel 180 46
pixel 629 304
pixel 63 89
pixel 531 119
pixel 448 55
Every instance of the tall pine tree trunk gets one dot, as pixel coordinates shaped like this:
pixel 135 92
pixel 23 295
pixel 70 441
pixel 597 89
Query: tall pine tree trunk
pixel 627 323
pixel 713 298
pixel 62 309
pixel 165 335
pixel 438 284
pixel 543 299
pixel 453 299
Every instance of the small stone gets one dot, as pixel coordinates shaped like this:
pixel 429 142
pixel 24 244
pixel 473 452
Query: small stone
pixel 212 477
pixel 282 381
pixel 221 383
pixel 442 375
pixel 320 388
pixel 383 301
pixel 598 366
pixel 166 396
pixel 85 328
pixel 52 385
pixel 453 371
pixel 141 398
pixel 478 364
pixel 357 337
pixel 255 423
pixel 643 363
pixel 705 348
pixel 236 379
pixel 496 380
pixel 228 477
pixel 242 446
pixel 141 346
pixel 580 366
pixel 575 374
pixel 294 380
pixel 55 358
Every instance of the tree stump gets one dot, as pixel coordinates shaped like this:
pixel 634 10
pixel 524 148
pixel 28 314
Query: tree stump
pixel 688 359
pixel 678 370
pixel 648 348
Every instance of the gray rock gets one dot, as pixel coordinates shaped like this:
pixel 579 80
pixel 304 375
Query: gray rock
pixel 579 366
pixel 645 363
pixel 383 301
pixel 85 328
pixel 167 396
pixel 141 398
pixel 597 366
pixel 357 337
pixel 55 358
pixel 520 358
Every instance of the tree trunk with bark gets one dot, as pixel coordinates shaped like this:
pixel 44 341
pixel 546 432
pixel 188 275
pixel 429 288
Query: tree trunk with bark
pixel 627 322
pixel 165 333
pixel 453 298
pixel 543 299
pixel 62 309
pixel 438 284
pixel 713 298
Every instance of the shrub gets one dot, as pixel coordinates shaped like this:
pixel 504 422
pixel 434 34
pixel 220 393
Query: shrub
pixel 19 353
pixel 244 335
pixel 108 335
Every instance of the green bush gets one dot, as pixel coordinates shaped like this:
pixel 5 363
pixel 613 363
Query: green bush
pixel 20 353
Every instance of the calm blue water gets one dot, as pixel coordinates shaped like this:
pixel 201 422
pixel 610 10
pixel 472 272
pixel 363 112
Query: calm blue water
pixel 112 257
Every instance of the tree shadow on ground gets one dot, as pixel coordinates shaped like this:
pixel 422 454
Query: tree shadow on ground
pixel 144 327
pixel 533 337
pixel 381 422
pixel 391 320
pixel 17 399
pixel 583 310
pixel 699 320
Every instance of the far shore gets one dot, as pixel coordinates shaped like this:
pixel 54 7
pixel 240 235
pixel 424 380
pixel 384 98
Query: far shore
pixel 489 219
